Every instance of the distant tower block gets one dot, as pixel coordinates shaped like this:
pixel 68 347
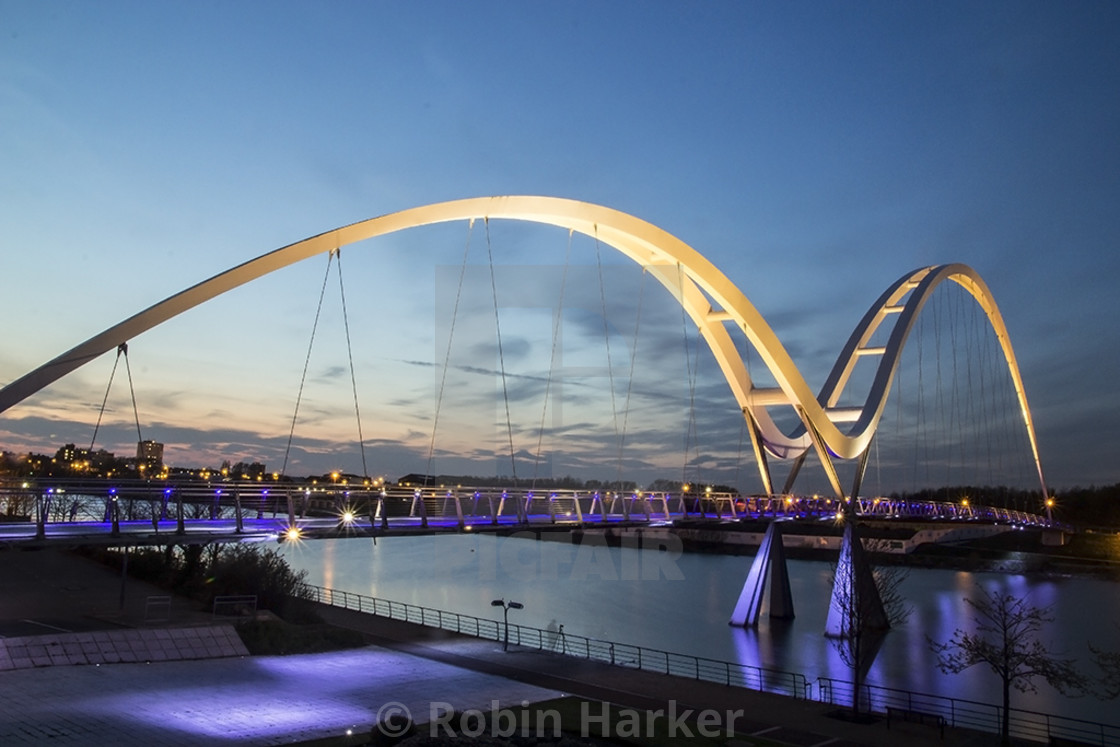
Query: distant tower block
pixel 769 561
pixel 855 607
pixel 149 453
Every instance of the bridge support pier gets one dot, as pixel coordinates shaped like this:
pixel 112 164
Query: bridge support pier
pixel 855 607
pixel 291 508
pixel 459 511
pixel 237 510
pixel 42 508
pixel 380 512
pixel 418 505
pixel 595 499
pixel 769 561
pixel 861 470
pixel 759 451
pixel 180 525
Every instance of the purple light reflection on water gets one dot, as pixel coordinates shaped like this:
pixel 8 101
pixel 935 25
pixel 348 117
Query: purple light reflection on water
pixel 604 593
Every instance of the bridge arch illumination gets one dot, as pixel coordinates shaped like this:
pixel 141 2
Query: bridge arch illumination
pixel 711 300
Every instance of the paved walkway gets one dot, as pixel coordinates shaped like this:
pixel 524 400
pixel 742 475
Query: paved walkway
pixel 278 700
pixel 779 719
pixel 260 700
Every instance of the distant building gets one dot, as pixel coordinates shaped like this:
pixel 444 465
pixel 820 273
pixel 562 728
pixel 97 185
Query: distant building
pixel 69 454
pixel 414 480
pixel 150 454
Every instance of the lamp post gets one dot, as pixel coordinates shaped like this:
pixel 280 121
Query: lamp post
pixel 506 607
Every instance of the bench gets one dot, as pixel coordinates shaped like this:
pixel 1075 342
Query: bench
pixel 921 717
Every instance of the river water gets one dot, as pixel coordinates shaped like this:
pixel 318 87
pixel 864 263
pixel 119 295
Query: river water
pixel 658 597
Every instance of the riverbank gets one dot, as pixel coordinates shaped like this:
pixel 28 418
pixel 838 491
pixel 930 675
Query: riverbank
pixel 964 546
pixel 301 699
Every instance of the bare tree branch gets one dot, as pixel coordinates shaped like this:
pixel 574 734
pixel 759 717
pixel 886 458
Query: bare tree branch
pixel 1109 664
pixel 1006 641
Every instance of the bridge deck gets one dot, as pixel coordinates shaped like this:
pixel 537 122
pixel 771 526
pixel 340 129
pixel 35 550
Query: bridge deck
pixel 148 513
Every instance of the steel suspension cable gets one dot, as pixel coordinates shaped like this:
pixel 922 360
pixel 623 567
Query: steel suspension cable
pixel 556 325
pixel 630 380
pixel 307 362
pixel 132 391
pixel 501 354
pixel 957 452
pixel 696 347
pixel 105 399
pixel 919 425
pixel 939 388
pixel 692 370
pixel 450 339
pixel 983 351
pixel 350 357
pixel 968 412
pixel 961 399
pixel 606 331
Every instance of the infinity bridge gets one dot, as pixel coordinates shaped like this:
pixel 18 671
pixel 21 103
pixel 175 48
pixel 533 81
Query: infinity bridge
pixel 833 432
pixel 150 512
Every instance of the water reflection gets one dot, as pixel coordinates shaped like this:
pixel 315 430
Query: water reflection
pixel 682 603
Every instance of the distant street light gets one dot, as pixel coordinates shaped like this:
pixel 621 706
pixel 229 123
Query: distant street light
pixel 506 607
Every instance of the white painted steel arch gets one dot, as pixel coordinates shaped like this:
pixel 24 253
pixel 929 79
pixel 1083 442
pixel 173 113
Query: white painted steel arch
pixel 707 295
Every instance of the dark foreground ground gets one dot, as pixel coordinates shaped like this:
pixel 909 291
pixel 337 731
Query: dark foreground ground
pixel 308 698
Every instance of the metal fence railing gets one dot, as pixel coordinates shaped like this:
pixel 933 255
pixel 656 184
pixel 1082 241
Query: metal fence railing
pixel 609 652
pixel 1024 724
pixel 969 714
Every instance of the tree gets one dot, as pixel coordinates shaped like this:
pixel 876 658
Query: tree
pixel 1109 664
pixel 866 603
pixel 863 631
pixel 1006 640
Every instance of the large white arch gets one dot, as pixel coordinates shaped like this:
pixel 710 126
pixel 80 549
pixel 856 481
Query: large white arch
pixel 707 295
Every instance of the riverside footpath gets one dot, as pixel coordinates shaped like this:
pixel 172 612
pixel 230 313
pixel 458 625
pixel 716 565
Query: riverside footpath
pixel 212 696
pixel 761 718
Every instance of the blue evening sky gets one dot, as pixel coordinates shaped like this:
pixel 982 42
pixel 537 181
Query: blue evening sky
pixel 814 151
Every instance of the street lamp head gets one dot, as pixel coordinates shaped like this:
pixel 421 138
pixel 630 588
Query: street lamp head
pixel 516 605
pixel 497 603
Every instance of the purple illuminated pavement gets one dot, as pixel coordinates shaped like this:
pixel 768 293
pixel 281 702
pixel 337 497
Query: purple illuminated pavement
pixel 250 700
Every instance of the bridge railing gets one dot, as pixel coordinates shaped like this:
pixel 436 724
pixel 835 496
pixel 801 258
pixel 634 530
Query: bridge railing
pixel 619 654
pixel 970 714
pixel 62 499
